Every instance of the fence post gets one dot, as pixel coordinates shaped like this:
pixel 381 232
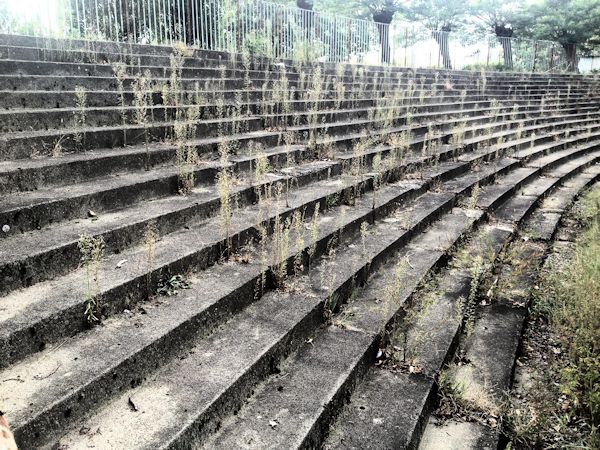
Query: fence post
pixel 535 48
pixel 405 46
pixel 238 44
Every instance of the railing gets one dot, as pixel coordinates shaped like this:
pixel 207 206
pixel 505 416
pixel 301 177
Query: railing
pixel 276 31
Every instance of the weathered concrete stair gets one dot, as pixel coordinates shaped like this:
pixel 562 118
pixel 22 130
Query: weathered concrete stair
pixel 408 152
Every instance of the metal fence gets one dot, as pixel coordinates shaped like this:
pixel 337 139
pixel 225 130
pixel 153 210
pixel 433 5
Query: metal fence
pixel 274 30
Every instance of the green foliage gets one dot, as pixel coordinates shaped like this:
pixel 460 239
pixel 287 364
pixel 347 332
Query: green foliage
pixel 171 286
pixel 564 21
pixel 258 44
pixel 440 15
pixel 571 300
pixel 497 67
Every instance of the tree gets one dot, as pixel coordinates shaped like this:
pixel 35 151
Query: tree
pixel 497 17
pixel 383 12
pixel 568 22
pixel 441 16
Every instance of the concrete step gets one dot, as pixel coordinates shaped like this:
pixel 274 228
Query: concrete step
pixel 15 120
pixel 95 98
pixel 20 145
pixel 22 267
pixel 57 76
pixel 273 112
pixel 405 213
pixel 485 176
pixel 35 173
pixel 390 407
pixel 492 345
pixel 308 304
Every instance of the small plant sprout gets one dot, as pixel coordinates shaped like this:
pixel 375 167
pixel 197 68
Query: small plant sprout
pixel 281 245
pixel 171 286
pixel 391 295
pixel 377 176
pixel 364 230
pixel 141 102
pixel 224 187
pixel 91 250
pixel 475 191
pixel 121 75
pixel 298 231
pixel 314 234
pixel 150 238
pixel 80 113
pixel 477 272
pixel 186 155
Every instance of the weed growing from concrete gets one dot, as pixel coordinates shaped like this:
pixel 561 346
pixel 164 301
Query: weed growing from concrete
pixel 314 234
pixel 224 187
pixel 475 191
pixel 141 102
pixel 80 114
pixel 150 238
pixel 171 286
pixel 120 70
pixel 91 250
pixel 477 272
pixel 377 176
pixel 186 156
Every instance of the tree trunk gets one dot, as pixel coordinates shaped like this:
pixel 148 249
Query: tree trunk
pixel 441 37
pixel 507 51
pixel 384 41
pixel 571 52
pixel 504 35
pixel 189 30
pixel 382 21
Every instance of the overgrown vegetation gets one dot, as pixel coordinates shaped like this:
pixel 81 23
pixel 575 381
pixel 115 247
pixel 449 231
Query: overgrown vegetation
pixel 91 250
pixel 562 409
